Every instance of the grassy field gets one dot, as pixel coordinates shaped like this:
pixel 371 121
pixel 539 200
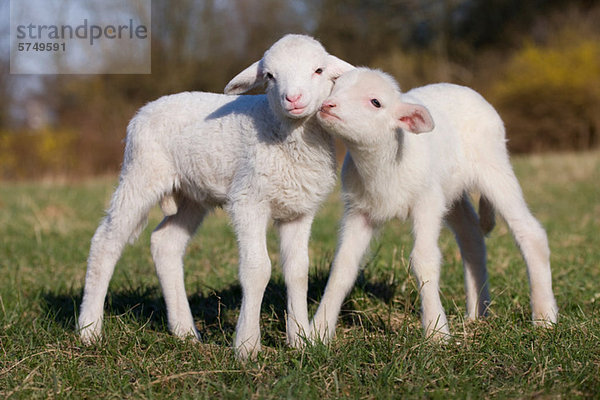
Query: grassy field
pixel 379 351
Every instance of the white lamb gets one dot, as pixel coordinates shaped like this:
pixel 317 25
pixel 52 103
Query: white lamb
pixel 259 157
pixel 391 172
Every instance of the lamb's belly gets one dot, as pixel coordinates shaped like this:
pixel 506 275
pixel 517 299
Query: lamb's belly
pixel 208 192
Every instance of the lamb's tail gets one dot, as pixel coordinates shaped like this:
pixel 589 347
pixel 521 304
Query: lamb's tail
pixel 140 132
pixel 487 216
pixel 168 205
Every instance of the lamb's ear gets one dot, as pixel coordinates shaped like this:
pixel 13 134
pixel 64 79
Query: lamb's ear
pixel 246 80
pixel 414 118
pixel 337 66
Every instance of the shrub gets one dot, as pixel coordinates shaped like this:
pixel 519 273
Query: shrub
pixel 38 153
pixel 549 96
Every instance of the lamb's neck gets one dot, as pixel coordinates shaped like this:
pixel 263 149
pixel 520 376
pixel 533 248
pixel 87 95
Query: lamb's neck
pixel 374 161
pixel 309 134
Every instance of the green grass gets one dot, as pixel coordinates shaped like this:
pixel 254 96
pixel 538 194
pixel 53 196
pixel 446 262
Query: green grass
pixel 379 351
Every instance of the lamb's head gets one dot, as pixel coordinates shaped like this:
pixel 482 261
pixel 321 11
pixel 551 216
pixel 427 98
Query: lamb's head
pixel 299 75
pixel 366 104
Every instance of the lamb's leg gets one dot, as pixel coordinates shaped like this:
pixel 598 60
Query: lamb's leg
pixel 464 222
pixel 168 243
pixel 254 272
pixel 425 263
pixel 294 236
pixel 502 189
pixel 355 237
pixel 125 217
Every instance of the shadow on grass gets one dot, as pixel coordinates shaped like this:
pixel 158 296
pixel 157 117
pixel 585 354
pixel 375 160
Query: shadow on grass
pixel 215 311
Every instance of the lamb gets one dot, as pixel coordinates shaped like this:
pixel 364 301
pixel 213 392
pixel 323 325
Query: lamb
pixel 259 157
pixel 393 169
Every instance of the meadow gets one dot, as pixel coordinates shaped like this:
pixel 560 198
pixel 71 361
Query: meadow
pixel 379 352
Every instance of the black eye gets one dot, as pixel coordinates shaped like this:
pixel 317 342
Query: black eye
pixel 319 71
pixel 269 76
pixel 376 103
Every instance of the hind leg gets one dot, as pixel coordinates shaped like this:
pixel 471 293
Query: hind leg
pixel 464 223
pixel 502 189
pixel 129 208
pixel 168 243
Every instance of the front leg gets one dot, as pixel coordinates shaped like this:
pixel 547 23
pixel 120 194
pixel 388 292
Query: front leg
pixel 294 236
pixel 425 261
pixel 250 223
pixel 355 237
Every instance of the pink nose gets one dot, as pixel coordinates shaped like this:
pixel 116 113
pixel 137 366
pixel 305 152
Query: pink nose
pixel 293 98
pixel 328 105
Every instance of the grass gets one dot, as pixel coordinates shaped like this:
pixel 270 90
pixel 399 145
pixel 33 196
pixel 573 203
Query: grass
pixel 379 351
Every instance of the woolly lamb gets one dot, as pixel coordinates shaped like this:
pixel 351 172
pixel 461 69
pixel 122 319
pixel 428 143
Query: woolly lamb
pixel 392 172
pixel 259 157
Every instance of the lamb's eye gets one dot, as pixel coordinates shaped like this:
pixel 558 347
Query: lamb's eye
pixel 376 103
pixel 269 76
pixel 319 71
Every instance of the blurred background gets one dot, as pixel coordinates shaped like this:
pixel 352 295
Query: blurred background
pixel 537 62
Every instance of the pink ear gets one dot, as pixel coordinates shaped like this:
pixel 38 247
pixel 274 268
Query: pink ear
pixel 246 80
pixel 414 118
pixel 336 66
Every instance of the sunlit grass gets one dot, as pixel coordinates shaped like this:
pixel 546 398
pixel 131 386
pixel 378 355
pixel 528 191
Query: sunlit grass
pixel 379 351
